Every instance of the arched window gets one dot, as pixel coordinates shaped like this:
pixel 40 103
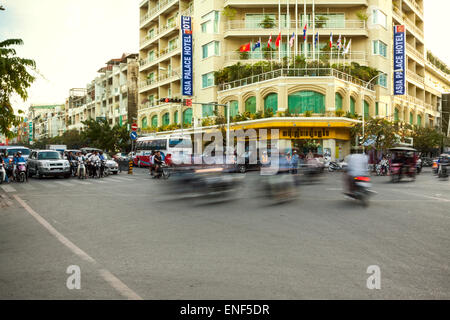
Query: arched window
pixel 352 106
pixel 338 101
pixel 154 121
pixel 166 119
pixel 234 107
pixel 187 116
pixel 411 118
pixel 419 120
pixel 302 101
pixel 366 110
pixel 271 103
pixel 175 117
pixel 250 105
pixel 144 123
pixel 396 115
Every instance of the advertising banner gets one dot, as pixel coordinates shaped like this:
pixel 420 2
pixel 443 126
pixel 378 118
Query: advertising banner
pixel 187 82
pixel 399 60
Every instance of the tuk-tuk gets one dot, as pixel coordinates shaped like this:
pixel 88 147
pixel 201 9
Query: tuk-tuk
pixel 403 162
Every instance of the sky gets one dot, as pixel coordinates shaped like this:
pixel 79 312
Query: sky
pixel 71 39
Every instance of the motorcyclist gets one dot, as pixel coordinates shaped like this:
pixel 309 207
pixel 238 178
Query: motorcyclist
pixel 16 160
pixel 4 160
pixel 80 158
pixel 93 159
pixel 102 163
pixel 357 166
pixel 157 160
pixel 384 163
pixel 294 162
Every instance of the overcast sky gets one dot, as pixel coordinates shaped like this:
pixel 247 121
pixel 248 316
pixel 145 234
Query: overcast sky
pixel 71 39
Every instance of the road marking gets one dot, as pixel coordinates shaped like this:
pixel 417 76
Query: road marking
pixel 8 189
pixel 111 279
pixel 63 183
pixel 423 195
pixel 7 200
pixel 121 179
pixel 82 182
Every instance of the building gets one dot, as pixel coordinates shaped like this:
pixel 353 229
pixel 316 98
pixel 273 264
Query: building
pixel 221 27
pixel 47 121
pixel 112 95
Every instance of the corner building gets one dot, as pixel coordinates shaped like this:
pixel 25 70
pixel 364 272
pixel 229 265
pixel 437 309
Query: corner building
pixel 220 27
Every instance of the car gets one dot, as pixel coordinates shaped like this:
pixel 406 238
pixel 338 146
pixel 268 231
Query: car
pixel 11 150
pixel 121 156
pixel 112 165
pixel 47 163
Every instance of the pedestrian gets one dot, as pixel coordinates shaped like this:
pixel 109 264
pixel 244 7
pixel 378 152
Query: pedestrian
pixel 294 162
pixel 152 164
pixel 157 160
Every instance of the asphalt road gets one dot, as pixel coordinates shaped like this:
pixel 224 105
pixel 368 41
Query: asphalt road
pixel 132 239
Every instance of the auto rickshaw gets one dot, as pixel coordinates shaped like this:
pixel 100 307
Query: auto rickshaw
pixel 403 163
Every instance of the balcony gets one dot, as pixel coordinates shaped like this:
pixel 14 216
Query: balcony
pixel 158 57
pixel 160 32
pixel 413 52
pixel 143 3
pixel 241 28
pixel 319 3
pixel 410 25
pixel 162 79
pixel 415 77
pixel 233 57
pixel 156 11
pixel 295 73
pixel 415 7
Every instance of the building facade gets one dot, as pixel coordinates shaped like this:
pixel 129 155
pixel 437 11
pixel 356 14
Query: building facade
pixel 221 27
pixel 48 121
pixel 111 96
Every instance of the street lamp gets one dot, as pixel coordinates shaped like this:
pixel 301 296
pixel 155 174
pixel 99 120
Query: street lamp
pixel 362 104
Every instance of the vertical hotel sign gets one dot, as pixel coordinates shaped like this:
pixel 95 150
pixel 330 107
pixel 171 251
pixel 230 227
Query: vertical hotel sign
pixel 186 56
pixel 399 60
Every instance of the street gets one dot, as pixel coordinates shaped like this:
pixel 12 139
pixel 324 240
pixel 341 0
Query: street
pixel 132 240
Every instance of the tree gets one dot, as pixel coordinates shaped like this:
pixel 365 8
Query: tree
pixel 14 79
pixel 427 140
pixel 381 131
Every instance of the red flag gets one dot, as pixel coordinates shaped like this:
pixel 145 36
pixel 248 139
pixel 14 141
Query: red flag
pixel 269 43
pixel 245 47
pixel 277 42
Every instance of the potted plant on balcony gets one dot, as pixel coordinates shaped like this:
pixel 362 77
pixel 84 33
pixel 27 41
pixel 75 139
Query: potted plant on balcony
pixel 321 21
pixel 362 15
pixel 267 23
pixel 243 55
pixel 229 12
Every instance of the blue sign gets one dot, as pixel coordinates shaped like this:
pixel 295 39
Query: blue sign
pixel 133 135
pixel 399 60
pixel 187 81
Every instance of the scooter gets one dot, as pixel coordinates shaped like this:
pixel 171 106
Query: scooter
pixel 81 170
pixel 2 173
pixel 21 172
pixel 361 190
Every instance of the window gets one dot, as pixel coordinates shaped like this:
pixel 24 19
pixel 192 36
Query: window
pixel 150 78
pixel 382 80
pixel 250 105
pixel 211 22
pixel 154 121
pixel 376 108
pixel 411 118
pixel 338 101
pixel 173 44
pixel 396 116
pixel 211 49
pixel 234 106
pixel 419 120
pixel 378 17
pixel 207 110
pixel 166 119
pixel 271 103
pixel 366 110
pixel 208 80
pixel 144 123
pixel 302 101
pixel 187 116
pixel 151 56
pixel 151 99
pixel 175 117
pixel 151 33
pixel 169 92
pixel 352 106
pixel 379 48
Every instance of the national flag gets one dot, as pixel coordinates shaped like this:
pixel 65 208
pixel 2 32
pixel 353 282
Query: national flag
pixel 339 43
pixel 316 40
pixel 257 45
pixel 343 45
pixel 304 31
pixel 331 40
pixel 245 47
pixel 346 50
pixel 277 42
pixel 269 43
pixel 291 42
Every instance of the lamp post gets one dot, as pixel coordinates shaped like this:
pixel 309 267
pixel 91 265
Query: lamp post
pixel 362 105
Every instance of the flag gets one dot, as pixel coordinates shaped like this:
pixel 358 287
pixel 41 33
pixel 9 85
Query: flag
pixel 269 43
pixel 316 40
pixel 277 42
pixel 331 40
pixel 291 42
pixel 343 45
pixel 346 50
pixel 257 45
pixel 339 43
pixel 304 32
pixel 245 47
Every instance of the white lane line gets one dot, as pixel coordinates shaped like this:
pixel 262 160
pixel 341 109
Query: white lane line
pixel 121 178
pixel 82 182
pixel 423 195
pixel 111 279
pixel 63 183
pixel 8 189
pixel 7 200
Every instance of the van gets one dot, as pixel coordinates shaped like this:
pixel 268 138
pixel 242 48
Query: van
pixel 11 150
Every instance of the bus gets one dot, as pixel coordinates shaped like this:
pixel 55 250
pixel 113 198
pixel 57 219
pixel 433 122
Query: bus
pixel 171 146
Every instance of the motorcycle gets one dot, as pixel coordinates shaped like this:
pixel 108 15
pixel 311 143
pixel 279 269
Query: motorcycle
pixel 21 172
pixel 2 173
pixel 361 190
pixel 73 167
pixel 280 187
pixel 443 171
pixel 336 166
pixel 382 169
pixel 419 166
pixel 81 170
pixel 104 170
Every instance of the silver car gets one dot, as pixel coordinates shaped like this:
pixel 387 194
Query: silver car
pixel 47 163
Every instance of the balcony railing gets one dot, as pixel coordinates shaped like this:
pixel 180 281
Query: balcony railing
pixel 242 25
pixel 359 57
pixel 162 4
pixel 415 76
pixel 149 38
pixel 413 4
pixel 415 52
pixel 165 76
pixel 161 54
pixel 295 73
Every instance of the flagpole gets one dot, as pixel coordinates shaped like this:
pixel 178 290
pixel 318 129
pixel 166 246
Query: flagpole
pixel 279 29
pixel 306 22
pixel 296 31
pixel 314 28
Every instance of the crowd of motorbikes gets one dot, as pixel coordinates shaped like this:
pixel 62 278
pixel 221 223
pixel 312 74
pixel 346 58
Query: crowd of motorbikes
pixel 13 172
pixel 85 166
